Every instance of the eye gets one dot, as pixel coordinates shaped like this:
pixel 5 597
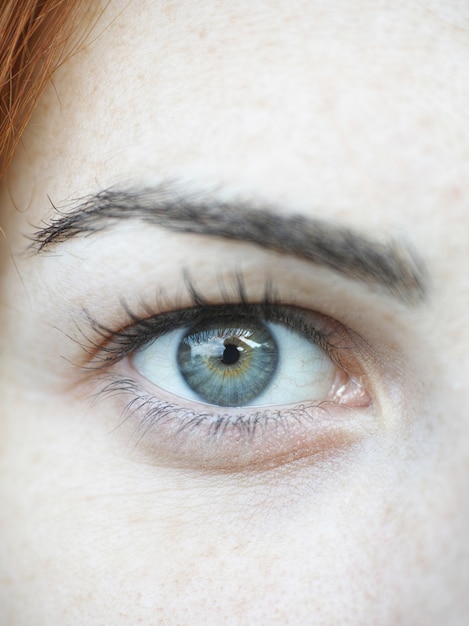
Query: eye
pixel 236 386
pixel 238 361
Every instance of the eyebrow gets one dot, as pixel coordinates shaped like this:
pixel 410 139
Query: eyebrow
pixel 391 265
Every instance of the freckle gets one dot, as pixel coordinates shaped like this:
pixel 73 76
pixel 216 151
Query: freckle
pixel 455 193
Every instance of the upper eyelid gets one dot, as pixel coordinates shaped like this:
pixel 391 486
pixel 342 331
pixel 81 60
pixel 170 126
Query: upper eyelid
pixel 167 315
pixel 121 342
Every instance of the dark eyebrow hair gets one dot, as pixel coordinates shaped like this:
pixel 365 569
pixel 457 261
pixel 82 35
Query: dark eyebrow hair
pixel 390 265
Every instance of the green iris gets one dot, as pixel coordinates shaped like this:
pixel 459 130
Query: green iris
pixel 229 362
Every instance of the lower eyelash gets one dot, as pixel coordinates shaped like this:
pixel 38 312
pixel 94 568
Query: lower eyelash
pixel 157 411
pixel 163 433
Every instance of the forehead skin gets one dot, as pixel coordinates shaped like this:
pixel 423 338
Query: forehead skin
pixel 361 109
pixel 203 89
pixel 353 110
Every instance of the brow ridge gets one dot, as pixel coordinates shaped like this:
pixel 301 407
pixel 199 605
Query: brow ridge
pixel 390 265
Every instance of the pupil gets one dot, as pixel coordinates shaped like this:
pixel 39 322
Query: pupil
pixel 230 354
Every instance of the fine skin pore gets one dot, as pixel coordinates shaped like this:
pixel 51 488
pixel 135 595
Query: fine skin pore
pixel 352 112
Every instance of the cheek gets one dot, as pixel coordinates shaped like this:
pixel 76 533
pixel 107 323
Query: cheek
pixel 372 541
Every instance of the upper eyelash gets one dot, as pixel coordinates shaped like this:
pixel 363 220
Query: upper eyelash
pixel 106 346
pixel 163 306
pixel 117 344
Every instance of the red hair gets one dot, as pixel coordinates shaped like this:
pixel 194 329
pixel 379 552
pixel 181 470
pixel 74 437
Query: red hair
pixel 34 38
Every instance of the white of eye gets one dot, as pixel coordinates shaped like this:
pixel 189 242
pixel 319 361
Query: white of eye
pixel 304 372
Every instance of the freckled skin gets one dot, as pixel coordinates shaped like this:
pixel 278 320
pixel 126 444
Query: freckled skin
pixel 356 113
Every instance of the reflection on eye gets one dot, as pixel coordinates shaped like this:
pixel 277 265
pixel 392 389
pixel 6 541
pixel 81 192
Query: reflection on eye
pixel 238 361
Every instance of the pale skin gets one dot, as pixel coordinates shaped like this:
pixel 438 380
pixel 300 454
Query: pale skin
pixel 353 112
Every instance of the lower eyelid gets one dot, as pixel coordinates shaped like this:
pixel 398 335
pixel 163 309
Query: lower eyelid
pixel 169 434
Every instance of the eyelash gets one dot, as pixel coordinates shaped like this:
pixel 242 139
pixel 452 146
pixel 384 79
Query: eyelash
pixel 108 347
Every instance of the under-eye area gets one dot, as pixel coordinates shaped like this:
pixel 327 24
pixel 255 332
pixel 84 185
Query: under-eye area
pixel 234 385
